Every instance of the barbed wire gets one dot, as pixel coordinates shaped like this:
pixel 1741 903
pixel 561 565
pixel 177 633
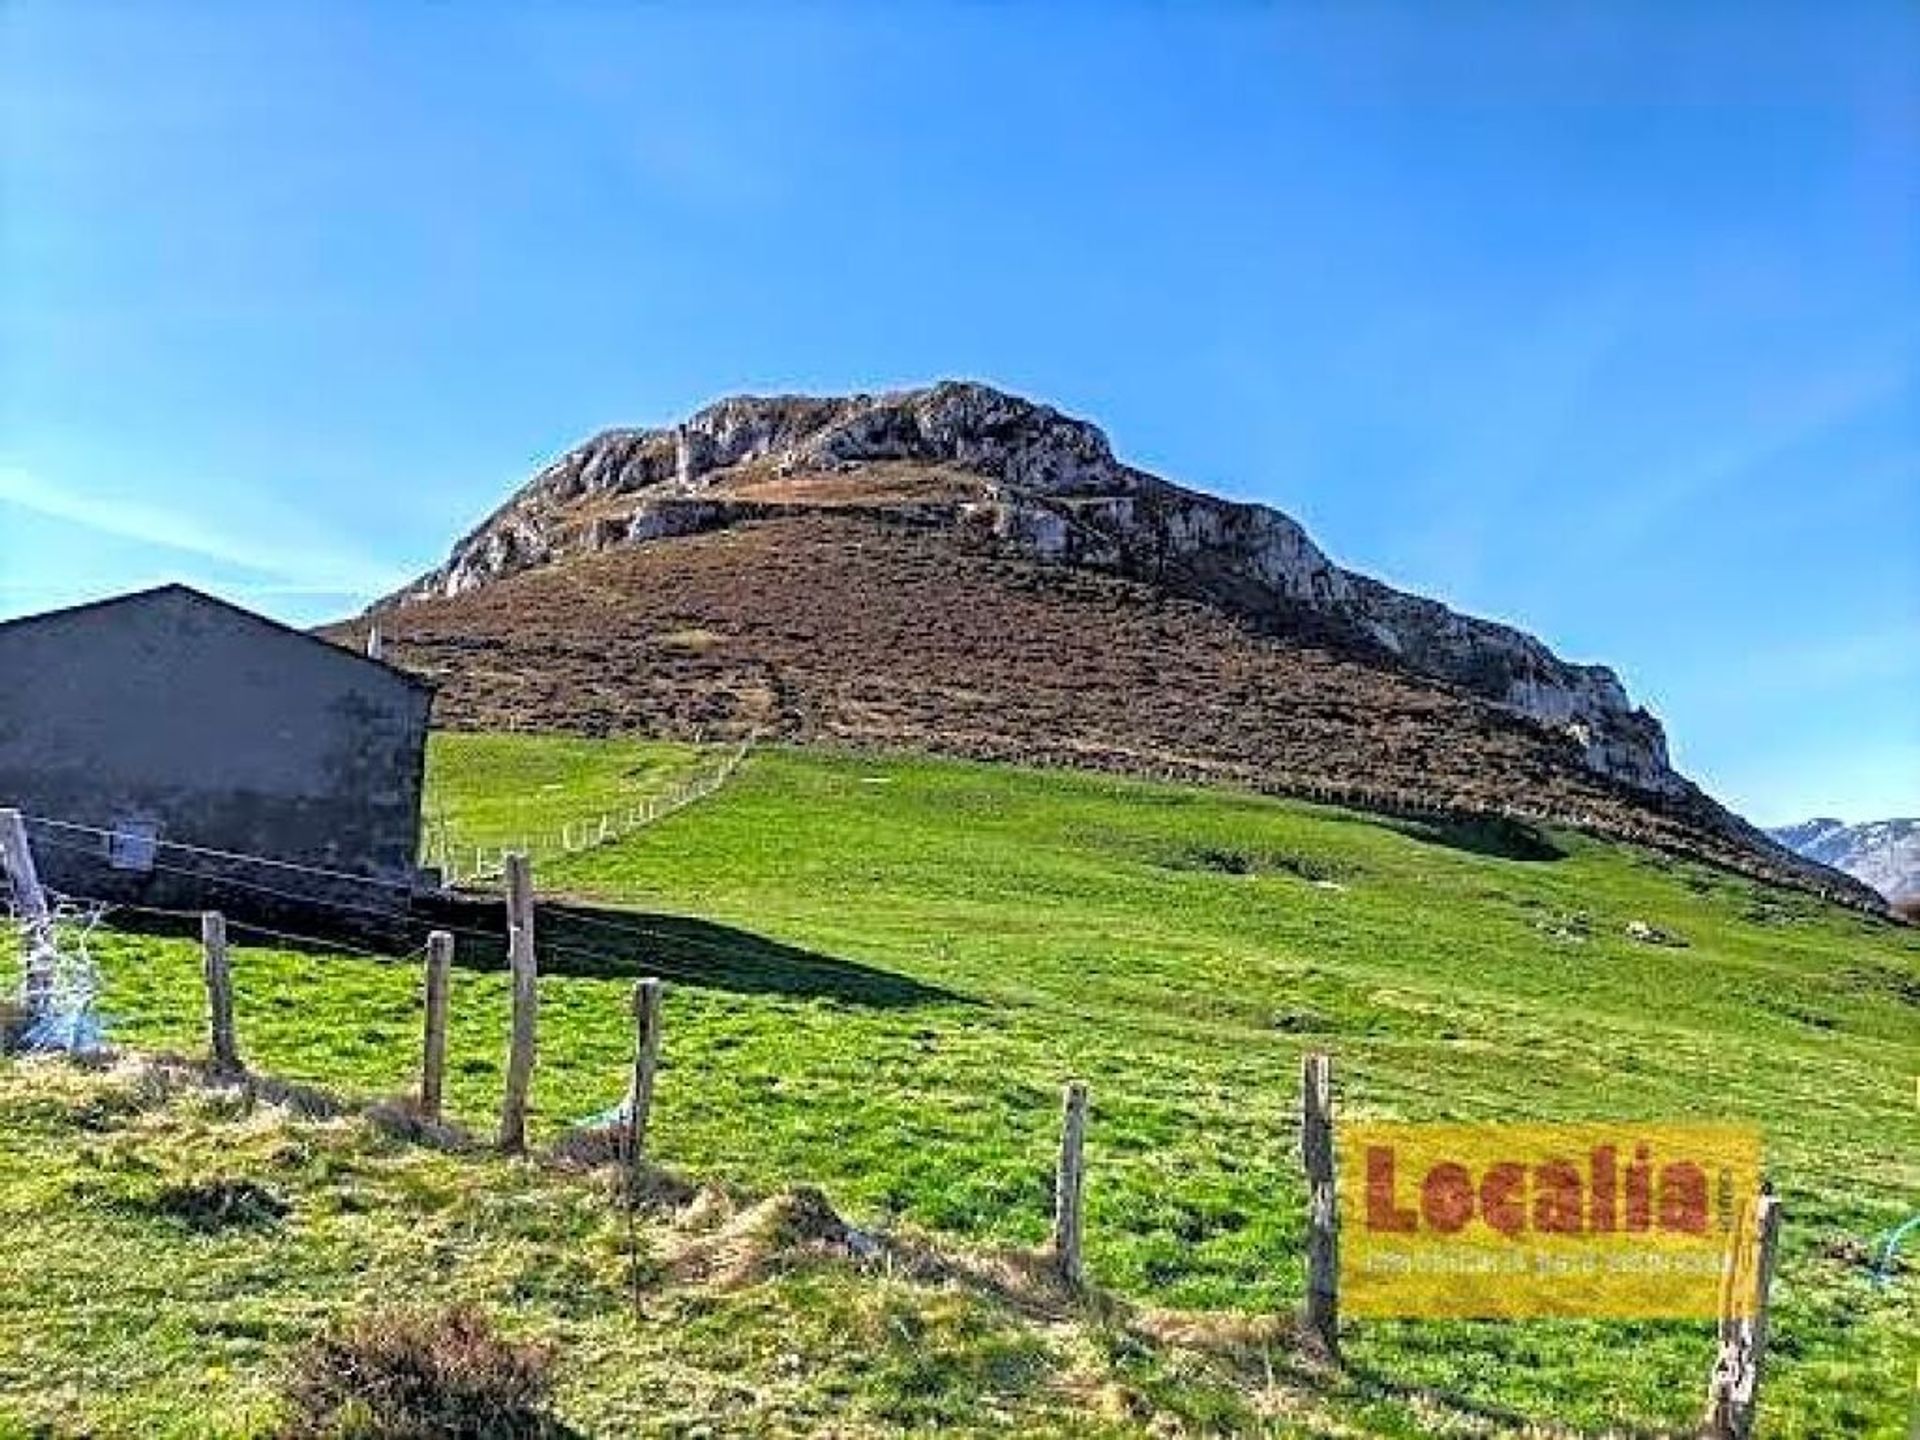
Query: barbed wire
pixel 560 913
pixel 110 908
pixel 652 809
pixel 224 879
pixel 242 856
pixel 563 910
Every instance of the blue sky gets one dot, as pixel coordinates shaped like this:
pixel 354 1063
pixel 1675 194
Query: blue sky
pixel 1598 319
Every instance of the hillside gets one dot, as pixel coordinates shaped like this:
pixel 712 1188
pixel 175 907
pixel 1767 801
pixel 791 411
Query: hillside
pixel 959 570
pixel 1882 853
pixel 879 973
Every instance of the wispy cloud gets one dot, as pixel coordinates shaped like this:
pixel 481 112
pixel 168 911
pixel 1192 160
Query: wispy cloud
pixel 1633 512
pixel 1805 672
pixel 291 558
pixel 1888 654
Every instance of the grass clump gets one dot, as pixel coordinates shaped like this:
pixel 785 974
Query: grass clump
pixel 1234 860
pixel 220 1204
pixel 413 1375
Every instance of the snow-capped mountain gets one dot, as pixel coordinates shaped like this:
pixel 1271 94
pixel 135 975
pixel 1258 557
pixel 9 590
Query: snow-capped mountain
pixel 1883 853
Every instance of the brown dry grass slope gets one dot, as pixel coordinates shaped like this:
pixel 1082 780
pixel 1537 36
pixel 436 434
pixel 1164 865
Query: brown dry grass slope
pixel 863 627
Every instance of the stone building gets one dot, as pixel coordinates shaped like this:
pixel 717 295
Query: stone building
pixel 173 750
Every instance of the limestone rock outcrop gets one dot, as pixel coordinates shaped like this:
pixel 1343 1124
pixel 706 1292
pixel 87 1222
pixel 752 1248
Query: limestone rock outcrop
pixel 1048 485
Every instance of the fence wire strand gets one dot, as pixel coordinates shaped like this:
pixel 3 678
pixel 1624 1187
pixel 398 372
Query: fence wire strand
pixel 241 856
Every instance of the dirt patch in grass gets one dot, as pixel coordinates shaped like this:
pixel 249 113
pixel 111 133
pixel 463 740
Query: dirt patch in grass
pixel 1304 1022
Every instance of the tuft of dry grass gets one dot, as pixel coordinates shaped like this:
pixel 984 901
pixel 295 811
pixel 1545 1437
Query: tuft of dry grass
pixel 400 1119
pixel 411 1375
pixel 695 641
pixel 773 1234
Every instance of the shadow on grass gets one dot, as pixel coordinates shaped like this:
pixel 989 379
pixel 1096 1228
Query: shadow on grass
pixel 573 939
pixel 1493 835
pixel 612 944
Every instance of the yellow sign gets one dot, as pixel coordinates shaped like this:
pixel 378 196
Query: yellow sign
pixel 1510 1221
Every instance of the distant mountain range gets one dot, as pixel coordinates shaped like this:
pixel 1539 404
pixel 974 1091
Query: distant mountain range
pixel 1883 853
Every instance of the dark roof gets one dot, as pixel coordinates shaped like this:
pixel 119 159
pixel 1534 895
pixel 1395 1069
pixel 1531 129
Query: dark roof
pixel 133 597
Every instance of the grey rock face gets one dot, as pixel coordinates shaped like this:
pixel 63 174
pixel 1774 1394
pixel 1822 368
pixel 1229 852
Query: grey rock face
pixel 1049 485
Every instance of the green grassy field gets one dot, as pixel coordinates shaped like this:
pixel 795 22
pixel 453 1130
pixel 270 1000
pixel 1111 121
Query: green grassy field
pixel 495 791
pixel 880 972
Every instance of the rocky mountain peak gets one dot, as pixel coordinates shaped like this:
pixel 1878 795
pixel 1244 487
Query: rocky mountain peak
pixel 1021 475
pixel 961 423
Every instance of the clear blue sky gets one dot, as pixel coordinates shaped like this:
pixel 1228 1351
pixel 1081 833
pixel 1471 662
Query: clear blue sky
pixel 1599 319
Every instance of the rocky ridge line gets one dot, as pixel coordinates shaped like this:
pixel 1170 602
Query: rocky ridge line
pixel 1050 486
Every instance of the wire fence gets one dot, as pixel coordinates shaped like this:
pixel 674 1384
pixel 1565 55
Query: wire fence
pixel 362 902
pixel 399 916
pixel 102 835
pixel 461 861
pixel 64 992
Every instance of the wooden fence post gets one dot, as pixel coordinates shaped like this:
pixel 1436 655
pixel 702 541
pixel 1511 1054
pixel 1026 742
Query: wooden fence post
pixel 1733 1390
pixel 1323 1205
pixel 16 858
pixel 526 1003
pixel 213 940
pixel 1069 1183
pixel 433 1056
pixel 646 1061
